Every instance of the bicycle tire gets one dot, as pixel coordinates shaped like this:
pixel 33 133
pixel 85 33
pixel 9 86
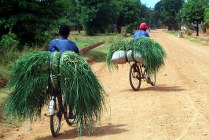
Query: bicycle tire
pixel 66 115
pixel 55 119
pixel 135 77
pixel 153 78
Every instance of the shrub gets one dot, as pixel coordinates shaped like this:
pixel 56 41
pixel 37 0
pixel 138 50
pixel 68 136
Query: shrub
pixel 130 28
pixel 7 42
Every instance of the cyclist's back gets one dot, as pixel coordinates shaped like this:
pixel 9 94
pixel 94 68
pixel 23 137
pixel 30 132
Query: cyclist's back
pixel 142 31
pixel 63 44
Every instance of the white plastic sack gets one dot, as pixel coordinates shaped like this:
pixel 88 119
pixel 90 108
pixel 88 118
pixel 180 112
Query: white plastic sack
pixel 129 56
pixel 135 56
pixel 119 57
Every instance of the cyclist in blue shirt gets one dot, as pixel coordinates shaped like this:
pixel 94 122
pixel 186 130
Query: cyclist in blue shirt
pixel 142 31
pixel 62 43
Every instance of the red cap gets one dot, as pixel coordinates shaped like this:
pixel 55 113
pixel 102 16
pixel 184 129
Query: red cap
pixel 143 26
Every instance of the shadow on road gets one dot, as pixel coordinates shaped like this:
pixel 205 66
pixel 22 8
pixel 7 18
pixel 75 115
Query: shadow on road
pixel 162 88
pixel 109 129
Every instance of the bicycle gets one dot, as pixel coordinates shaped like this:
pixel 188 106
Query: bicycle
pixel 58 104
pixel 57 107
pixel 138 73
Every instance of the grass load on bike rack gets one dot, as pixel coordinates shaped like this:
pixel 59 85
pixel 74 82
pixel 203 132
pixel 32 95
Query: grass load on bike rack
pixel 124 44
pixel 152 52
pixel 81 87
pixel 29 81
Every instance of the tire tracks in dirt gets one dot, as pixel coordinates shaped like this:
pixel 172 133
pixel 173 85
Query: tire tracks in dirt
pixel 187 63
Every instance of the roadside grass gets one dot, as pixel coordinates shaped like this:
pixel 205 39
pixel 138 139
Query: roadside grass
pixel 4 121
pixel 195 40
pixel 3 95
pixel 199 40
pixel 7 59
pixel 173 32
pixel 82 40
pixel 98 53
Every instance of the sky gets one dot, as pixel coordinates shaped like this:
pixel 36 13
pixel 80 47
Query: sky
pixel 149 3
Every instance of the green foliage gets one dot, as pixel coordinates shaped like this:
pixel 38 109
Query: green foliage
pixel 193 11
pixel 166 13
pixel 130 28
pixel 131 11
pixel 4 73
pixel 30 20
pixel 29 81
pixel 110 28
pixel 189 32
pixel 206 17
pixel 7 42
pixel 96 15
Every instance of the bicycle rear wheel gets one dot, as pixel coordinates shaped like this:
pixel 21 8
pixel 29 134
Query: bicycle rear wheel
pixel 56 116
pixel 135 77
pixel 66 114
pixel 153 78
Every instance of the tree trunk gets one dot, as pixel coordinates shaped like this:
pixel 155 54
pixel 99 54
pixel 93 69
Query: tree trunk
pixel 197 29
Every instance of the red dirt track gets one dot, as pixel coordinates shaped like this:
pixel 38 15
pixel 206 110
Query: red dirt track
pixel 177 108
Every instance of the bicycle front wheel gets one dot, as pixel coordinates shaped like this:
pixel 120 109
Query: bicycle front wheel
pixel 55 118
pixel 135 77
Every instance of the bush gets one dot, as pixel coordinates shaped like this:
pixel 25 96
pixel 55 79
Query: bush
pixel 110 29
pixel 130 28
pixel 7 42
pixel 91 31
pixel 189 32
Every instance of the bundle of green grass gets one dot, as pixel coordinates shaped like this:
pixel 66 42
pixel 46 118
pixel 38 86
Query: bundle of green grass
pixel 151 51
pixel 30 83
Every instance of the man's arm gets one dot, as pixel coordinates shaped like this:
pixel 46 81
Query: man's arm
pixel 51 46
pixel 75 48
pixel 147 35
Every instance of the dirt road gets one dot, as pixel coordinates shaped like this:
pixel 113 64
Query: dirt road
pixel 177 108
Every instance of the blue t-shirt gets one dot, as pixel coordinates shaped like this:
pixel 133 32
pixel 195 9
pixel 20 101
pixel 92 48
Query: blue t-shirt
pixel 62 44
pixel 140 33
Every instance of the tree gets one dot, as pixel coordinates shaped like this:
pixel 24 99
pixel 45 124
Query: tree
pixel 166 12
pixel 193 12
pixel 96 15
pixel 131 12
pixel 29 19
pixel 157 16
pixel 206 16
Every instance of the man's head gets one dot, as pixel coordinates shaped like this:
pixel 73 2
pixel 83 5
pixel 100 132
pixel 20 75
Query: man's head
pixel 143 26
pixel 64 31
